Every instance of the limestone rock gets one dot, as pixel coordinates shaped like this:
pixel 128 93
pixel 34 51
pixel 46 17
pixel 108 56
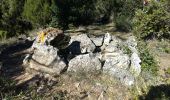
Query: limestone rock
pixel 118 62
pixel 107 38
pixel 118 67
pixel 132 44
pixel 135 64
pixel 84 63
pixel 81 44
pixel 56 70
pixel 45 54
pixel 44 57
pixel 98 41
pixel 112 47
pixel 53 37
pixel 124 76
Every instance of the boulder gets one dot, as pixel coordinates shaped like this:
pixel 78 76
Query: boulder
pixel 118 67
pixel 53 37
pixel 107 38
pixel 45 57
pixel 98 41
pixel 135 67
pixel 81 44
pixel 45 54
pixel 124 76
pixel 132 44
pixel 121 61
pixel 112 47
pixel 86 63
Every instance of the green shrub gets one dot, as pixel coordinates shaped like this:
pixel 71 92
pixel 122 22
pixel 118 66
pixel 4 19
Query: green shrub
pixel 148 64
pixel 10 17
pixel 38 12
pixel 124 13
pixel 123 23
pixel 3 34
pixel 153 21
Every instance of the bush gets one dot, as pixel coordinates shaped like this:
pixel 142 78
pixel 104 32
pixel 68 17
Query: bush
pixel 124 13
pixel 3 34
pixel 153 21
pixel 38 12
pixel 149 64
pixel 78 12
pixel 10 17
pixel 123 23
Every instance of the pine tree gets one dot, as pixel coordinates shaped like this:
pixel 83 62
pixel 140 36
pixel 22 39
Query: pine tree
pixel 38 12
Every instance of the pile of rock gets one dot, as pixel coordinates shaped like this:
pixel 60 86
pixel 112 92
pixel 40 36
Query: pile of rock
pixel 82 53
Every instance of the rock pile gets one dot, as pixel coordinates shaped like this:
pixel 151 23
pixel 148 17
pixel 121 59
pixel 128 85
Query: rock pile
pixel 54 53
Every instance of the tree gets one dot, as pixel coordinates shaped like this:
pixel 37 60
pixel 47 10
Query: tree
pixel 38 12
pixel 11 20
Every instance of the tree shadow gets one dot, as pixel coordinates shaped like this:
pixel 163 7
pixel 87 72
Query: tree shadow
pixel 157 93
pixel 12 57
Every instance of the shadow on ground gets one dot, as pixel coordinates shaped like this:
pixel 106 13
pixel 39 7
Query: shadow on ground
pixel 12 57
pixel 161 92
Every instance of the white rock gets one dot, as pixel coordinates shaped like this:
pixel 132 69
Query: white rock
pixel 107 38
pixel 84 63
pixel 45 54
pixel 81 44
pixel 121 61
pixel 118 67
pixel 98 41
pixel 135 64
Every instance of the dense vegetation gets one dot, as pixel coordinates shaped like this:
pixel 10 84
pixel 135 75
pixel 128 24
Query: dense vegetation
pixel 153 21
pixel 18 16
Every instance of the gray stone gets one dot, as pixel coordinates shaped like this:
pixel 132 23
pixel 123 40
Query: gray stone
pixel 119 62
pixel 124 76
pixel 132 44
pixel 135 67
pixel 118 67
pixel 112 47
pixel 44 57
pixel 55 70
pixel 86 63
pixel 81 44
pixel 45 54
pixel 107 38
pixel 98 41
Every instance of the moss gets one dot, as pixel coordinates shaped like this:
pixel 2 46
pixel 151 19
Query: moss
pixel 168 71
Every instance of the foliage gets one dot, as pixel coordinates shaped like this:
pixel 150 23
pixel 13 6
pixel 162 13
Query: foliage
pixel 6 87
pixel 124 12
pixel 153 21
pixel 3 34
pixel 149 64
pixel 10 19
pixel 37 12
pixel 80 12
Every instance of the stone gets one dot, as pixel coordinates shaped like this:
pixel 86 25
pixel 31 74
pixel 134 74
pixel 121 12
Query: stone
pixel 107 41
pixel 124 76
pixel 107 38
pixel 112 47
pixel 45 54
pixel 132 44
pixel 56 70
pixel 98 41
pixel 53 37
pixel 135 67
pixel 86 63
pixel 81 44
pixel 119 62
pixel 118 67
